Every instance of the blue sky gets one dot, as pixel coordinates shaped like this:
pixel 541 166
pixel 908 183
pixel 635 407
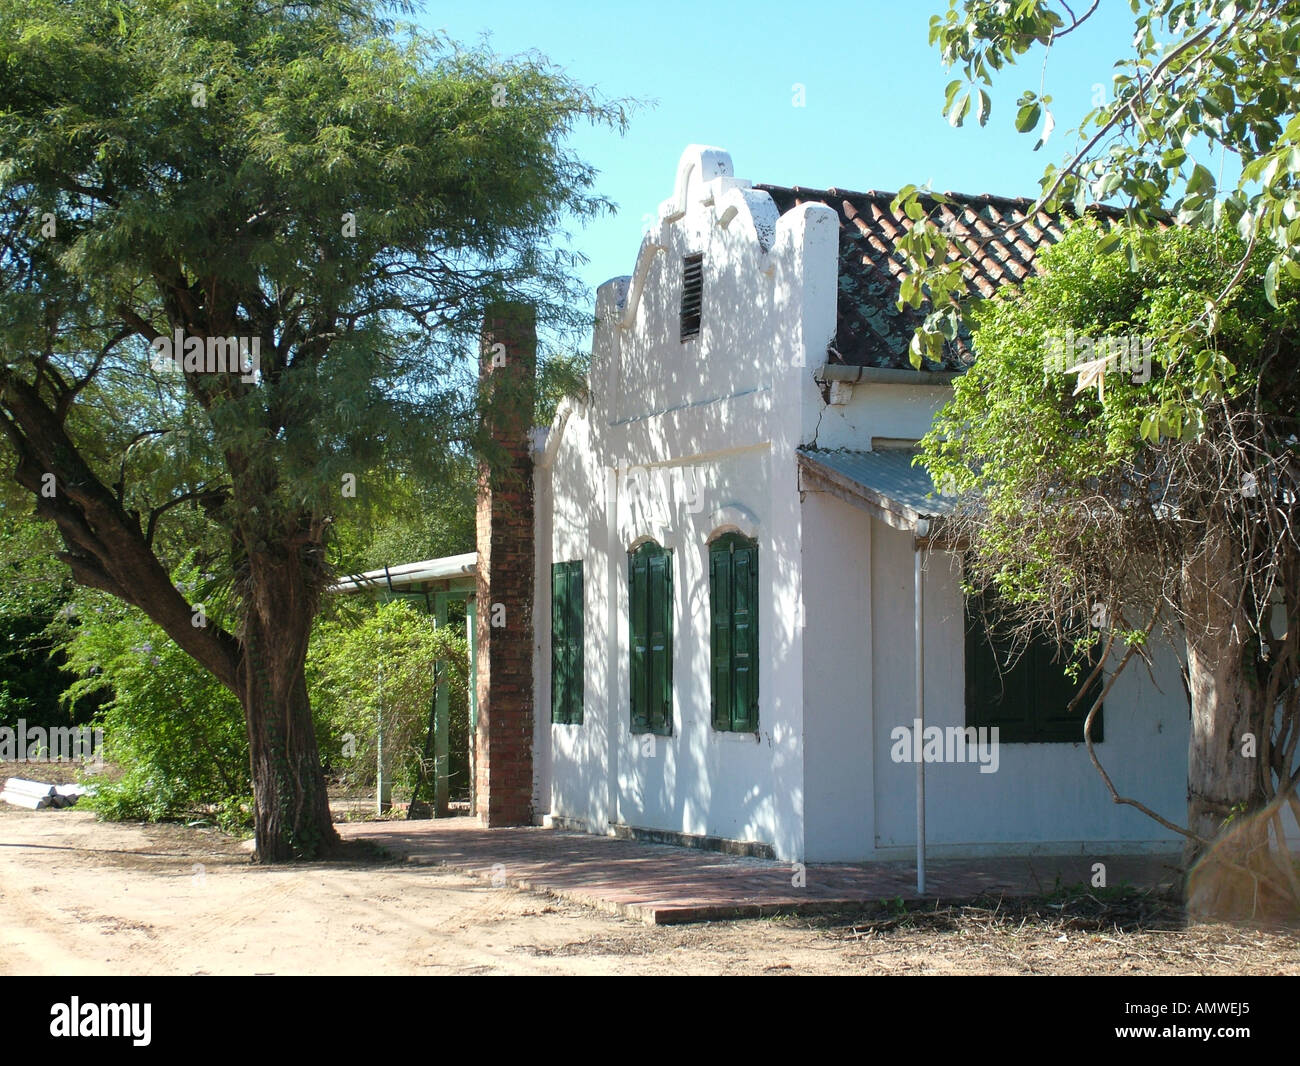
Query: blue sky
pixel 723 73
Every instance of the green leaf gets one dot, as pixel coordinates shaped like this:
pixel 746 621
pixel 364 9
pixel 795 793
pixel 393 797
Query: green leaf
pixel 1270 283
pixel 1224 63
pixel 1110 242
pixel 1201 180
pixel 958 112
pixel 1027 117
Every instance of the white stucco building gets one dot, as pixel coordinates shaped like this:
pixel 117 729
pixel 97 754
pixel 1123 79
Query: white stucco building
pixel 728 533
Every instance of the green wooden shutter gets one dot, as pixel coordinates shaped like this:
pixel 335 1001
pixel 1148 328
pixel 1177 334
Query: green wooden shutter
pixel 650 603
pixel 1025 700
pixel 660 632
pixel 577 674
pixel 733 601
pixel 997 694
pixel 638 590
pixel 720 650
pixel 1052 692
pixel 744 639
pixel 559 646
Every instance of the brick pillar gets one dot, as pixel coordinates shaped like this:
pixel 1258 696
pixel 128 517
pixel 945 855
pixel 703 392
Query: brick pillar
pixel 503 751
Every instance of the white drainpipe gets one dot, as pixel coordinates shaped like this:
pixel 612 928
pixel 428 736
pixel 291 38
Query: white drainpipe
pixel 918 742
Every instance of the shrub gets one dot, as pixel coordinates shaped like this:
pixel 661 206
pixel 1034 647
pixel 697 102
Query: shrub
pixel 380 662
pixel 174 733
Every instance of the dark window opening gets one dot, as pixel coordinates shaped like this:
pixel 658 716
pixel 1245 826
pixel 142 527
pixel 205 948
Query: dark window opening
pixel 1024 691
pixel 692 294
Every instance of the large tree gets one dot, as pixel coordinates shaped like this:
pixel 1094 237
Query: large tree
pixel 1102 538
pixel 243 246
pixel 1166 500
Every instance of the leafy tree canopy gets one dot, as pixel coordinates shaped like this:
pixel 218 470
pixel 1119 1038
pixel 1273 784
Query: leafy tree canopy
pixel 245 248
pixel 1210 88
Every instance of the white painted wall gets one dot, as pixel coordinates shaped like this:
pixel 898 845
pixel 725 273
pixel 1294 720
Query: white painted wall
pixel 874 410
pixel 1043 796
pixel 838 737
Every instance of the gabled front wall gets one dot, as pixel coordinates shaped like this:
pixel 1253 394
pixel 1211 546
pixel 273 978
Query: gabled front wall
pixel 684 441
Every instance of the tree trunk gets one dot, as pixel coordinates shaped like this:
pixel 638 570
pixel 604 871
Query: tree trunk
pixel 292 816
pixel 1225 784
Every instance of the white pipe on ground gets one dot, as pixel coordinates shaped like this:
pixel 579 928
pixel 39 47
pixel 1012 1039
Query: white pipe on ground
pixel 28 788
pixel 22 799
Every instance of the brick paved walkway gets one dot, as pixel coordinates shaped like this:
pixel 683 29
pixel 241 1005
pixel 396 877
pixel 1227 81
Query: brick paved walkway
pixel 660 884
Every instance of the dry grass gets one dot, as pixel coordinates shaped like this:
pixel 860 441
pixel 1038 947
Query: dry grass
pixel 1104 932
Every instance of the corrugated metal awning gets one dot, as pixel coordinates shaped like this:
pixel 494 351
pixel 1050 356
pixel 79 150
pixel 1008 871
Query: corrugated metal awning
pixel 457 570
pixel 882 482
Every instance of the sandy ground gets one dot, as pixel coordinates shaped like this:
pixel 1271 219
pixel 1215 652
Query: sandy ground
pixel 84 897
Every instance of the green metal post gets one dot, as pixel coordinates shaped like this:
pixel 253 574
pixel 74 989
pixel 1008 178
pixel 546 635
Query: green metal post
pixel 442 721
pixel 471 633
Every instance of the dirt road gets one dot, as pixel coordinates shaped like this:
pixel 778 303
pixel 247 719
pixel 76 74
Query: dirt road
pixel 83 897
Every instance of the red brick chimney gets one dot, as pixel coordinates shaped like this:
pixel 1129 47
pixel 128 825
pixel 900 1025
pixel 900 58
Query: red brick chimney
pixel 503 750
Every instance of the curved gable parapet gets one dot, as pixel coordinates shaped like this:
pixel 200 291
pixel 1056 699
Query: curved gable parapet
pixel 651 245
pixel 705 183
pixel 699 165
pixel 615 292
pixel 754 210
pixel 546 439
pixel 808 219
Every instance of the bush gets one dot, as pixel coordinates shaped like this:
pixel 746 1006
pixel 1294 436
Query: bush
pixel 380 661
pixel 174 733
pixel 176 739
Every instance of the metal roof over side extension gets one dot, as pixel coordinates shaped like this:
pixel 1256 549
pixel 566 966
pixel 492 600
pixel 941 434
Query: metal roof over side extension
pixel 438 581
pixel 883 482
pixel 451 573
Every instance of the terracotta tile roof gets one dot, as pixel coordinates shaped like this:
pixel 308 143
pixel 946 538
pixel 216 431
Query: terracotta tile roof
pixel 871 330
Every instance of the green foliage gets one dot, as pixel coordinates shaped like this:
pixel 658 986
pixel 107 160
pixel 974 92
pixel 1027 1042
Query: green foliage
pixel 377 663
pixel 37 613
pixel 348 192
pixel 173 733
pixel 1035 454
pixel 1207 81
pixel 563 374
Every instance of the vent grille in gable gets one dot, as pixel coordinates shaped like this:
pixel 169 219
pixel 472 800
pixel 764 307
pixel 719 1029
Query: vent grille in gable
pixel 692 294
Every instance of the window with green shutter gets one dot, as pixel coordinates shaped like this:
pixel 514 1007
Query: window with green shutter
pixel 567 672
pixel 733 601
pixel 650 604
pixel 1023 691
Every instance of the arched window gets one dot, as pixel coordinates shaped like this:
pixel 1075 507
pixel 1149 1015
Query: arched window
pixel 733 602
pixel 650 601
